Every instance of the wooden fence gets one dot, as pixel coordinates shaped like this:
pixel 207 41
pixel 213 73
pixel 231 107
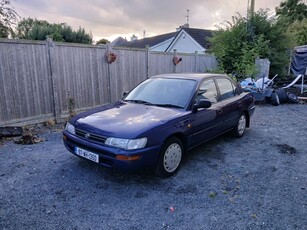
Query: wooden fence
pixel 40 80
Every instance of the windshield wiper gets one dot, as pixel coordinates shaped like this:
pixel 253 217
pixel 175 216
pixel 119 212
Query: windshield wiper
pixel 148 103
pixel 139 102
pixel 169 105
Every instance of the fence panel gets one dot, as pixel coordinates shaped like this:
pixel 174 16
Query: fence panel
pixel 127 71
pixel 160 63
pixel 206 63
pixel 187 65
pixel 25 83
pixel 80 73
pixel 37 79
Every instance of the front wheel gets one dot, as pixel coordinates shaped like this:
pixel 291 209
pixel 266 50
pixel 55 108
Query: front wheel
pixel 239 129
pixel 274 99
pixel 281 93
pixel 170 158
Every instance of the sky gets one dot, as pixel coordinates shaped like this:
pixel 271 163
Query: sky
pixel 113 18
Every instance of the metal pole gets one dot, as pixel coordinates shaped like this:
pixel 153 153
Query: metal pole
pixel 302 86
pixel 289 69
pixel 252 8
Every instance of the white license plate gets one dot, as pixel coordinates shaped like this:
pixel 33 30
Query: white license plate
pixel 86 154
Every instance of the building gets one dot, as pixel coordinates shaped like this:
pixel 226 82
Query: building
pixel 184 40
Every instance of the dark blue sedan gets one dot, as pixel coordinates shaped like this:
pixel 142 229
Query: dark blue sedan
pixel 159 120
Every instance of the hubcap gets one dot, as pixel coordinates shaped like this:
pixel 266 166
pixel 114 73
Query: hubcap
pixel 241 125
pixel 172 157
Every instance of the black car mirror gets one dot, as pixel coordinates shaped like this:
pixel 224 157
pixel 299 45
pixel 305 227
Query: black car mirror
pixel 203 103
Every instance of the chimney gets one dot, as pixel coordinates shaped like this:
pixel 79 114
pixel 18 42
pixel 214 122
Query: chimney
pixel 134 38
pixel 183 26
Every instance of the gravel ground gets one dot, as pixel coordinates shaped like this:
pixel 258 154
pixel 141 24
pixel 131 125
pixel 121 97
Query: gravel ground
pixel 256 182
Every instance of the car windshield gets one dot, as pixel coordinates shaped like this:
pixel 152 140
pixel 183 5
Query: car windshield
pixel 167 92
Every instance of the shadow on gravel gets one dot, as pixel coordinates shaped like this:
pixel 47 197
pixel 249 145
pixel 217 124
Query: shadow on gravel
pixel 211 152
pixel 285 149
pixel 118 177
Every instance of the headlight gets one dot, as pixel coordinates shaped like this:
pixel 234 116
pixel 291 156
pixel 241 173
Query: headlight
pixel 127 143
pixel 70 128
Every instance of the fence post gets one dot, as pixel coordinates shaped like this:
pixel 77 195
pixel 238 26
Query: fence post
pixel 109 49
pixel 54 77
pixel 147 61
pixel 175 54
pixel 196 62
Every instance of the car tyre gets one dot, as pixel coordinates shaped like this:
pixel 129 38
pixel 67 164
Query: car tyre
pixel 292 98
pixel 239 129
pixel 170 158
pixel 274 99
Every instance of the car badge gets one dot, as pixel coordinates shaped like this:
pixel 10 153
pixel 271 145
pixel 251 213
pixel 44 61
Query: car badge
pixel 87 136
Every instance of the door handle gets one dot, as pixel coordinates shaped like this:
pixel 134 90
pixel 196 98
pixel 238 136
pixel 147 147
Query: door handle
pixel 219 111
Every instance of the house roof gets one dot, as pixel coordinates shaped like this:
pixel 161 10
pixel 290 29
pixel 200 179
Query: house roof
pixel 119 42
pixel 151 41
pixel 199 35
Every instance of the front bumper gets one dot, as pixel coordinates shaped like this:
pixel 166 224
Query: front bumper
pixel 147 157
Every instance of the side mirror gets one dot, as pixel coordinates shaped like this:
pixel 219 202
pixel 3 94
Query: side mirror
pixel 203 103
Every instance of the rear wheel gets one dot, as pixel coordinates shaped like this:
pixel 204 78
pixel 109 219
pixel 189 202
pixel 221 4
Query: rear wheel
pixel 239 129
pixel 292 98
pixel 170 158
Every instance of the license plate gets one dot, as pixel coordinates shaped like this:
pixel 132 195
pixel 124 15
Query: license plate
pixel 86 154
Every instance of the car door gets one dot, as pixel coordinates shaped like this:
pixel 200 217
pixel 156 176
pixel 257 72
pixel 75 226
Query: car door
pixel 206 121
pixel 230 101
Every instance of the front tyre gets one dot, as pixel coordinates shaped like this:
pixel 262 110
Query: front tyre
pixel 239 129
pixel 274 99
pixel 170 158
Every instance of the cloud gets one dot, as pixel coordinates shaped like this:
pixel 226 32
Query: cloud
pixel 106 18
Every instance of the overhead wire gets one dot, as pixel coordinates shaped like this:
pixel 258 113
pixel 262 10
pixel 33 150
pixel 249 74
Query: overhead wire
pixel 239 1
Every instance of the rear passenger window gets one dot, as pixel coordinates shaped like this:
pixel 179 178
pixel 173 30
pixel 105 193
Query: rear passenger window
pixel 226 88
pixel 207 91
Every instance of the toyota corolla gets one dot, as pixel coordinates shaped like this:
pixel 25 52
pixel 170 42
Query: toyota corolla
pixel 159 120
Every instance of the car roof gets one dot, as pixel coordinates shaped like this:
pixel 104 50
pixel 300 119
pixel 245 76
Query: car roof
pixel 189 76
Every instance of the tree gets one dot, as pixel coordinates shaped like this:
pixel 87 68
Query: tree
pixel 238 43
pixel 26 25
pixel 34 29
pixel 292 17
pixel 102 41
pixel 8 18
pixel 298 31
pixel 290 11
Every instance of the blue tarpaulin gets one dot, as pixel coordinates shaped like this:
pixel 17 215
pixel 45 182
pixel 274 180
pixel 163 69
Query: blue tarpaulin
pixel 299 60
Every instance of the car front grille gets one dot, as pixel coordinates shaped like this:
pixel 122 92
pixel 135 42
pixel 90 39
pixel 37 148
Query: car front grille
pixel 90 136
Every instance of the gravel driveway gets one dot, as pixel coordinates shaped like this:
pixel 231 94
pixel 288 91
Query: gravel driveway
pixel 256 182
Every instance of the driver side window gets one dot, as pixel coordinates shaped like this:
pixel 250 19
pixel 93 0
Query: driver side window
pixel 207 90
